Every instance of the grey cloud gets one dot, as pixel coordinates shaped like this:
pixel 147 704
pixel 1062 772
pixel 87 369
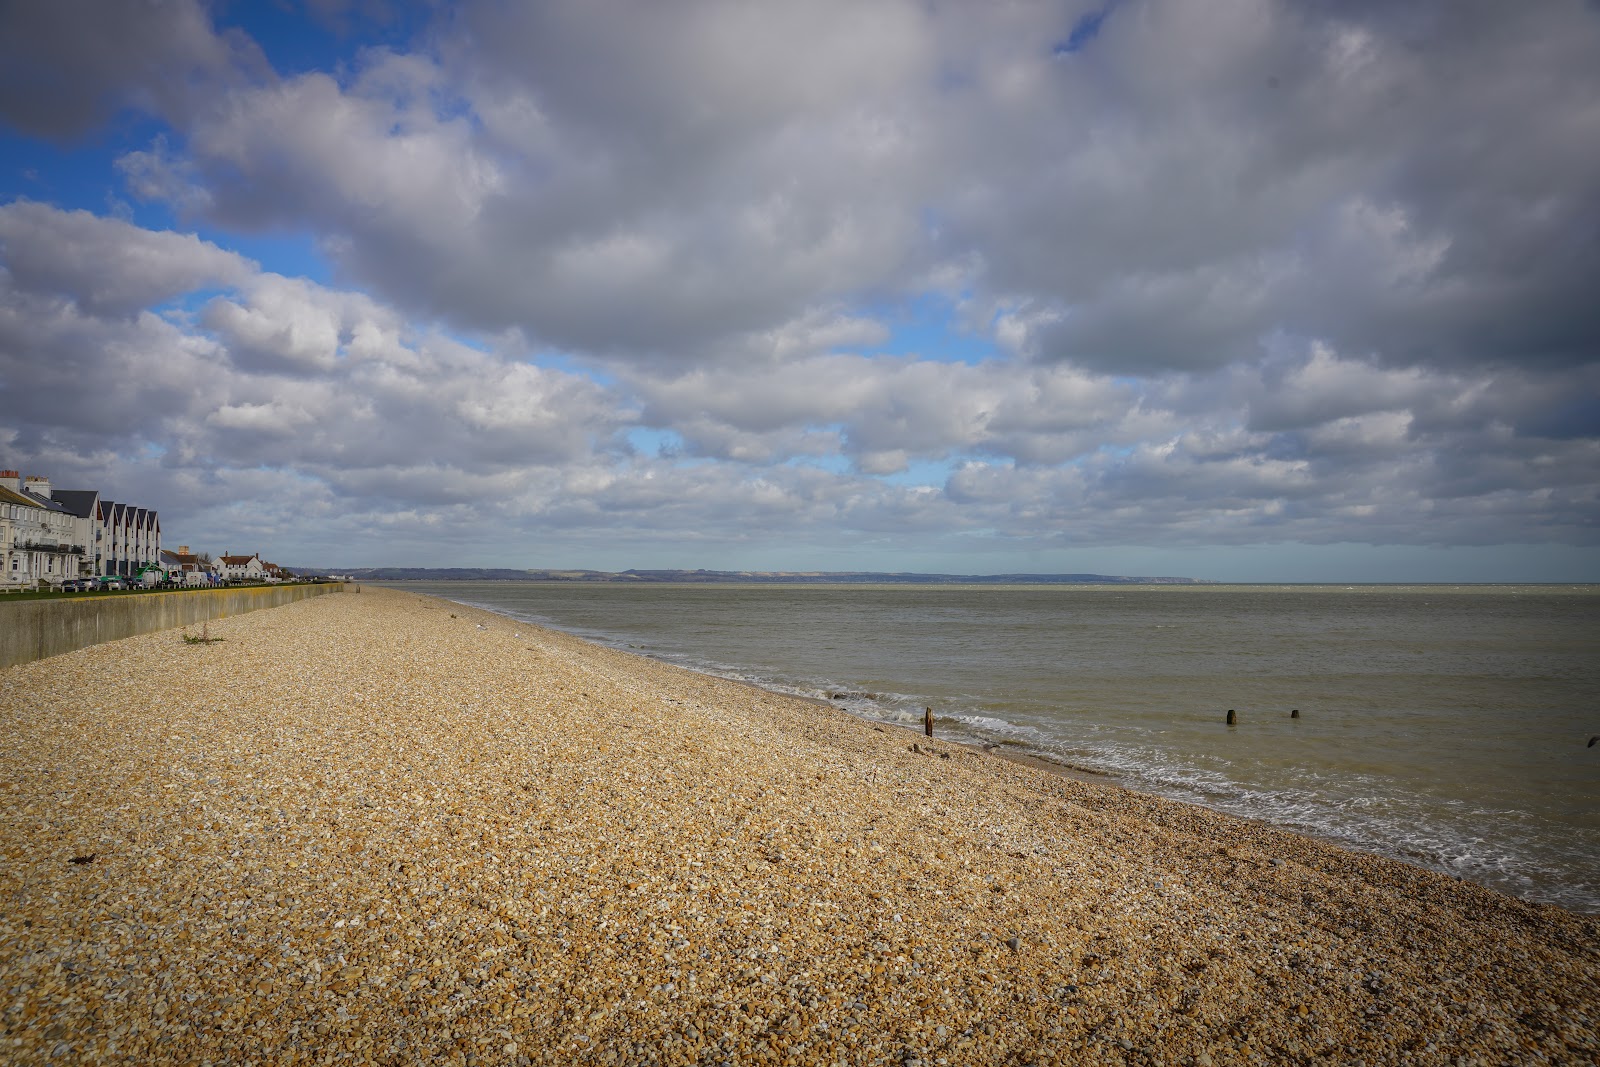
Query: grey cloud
pixel 746 209
pixel 1402 180
pixel 884 411
pixel 1322 387
pixel 1264 271
pixel 105 265
pixel 1411 182
pixel 68 64
pixel 81 385
pixel 291 375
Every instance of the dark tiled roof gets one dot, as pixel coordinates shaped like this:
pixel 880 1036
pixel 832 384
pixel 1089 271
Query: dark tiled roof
pixel 77 501
pixel 44 502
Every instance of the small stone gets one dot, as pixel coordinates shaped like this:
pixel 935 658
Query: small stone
pixel 1014 943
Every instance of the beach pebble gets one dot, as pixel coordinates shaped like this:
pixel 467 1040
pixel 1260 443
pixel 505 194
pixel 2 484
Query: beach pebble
pixel 354 836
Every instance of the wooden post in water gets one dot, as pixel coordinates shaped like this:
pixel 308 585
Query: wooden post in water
pixel 1233 720
pixel 927 721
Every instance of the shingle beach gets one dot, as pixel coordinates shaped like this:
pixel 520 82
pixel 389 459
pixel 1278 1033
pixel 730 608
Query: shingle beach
pixel 379 828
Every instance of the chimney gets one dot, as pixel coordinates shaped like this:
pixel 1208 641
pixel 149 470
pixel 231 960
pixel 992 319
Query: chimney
pixel 12 480
pixel 183 550
pixel 38 486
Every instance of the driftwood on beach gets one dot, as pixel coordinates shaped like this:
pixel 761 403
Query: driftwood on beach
pixel 408 831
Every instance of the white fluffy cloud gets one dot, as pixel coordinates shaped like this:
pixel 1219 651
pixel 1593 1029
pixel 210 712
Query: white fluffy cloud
pixel 1242 272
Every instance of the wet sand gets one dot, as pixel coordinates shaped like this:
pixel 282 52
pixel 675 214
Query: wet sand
pixel 382 828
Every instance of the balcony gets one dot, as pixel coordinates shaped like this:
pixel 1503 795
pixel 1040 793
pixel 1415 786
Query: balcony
pixel 50 546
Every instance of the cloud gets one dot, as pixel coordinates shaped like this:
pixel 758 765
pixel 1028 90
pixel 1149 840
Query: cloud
pixel 275 372
pixel 1399 180
pixel 67 65
pixel 290 325
pixel 1258 271
pixel 640 204
pixel 341 395
pixel 107 265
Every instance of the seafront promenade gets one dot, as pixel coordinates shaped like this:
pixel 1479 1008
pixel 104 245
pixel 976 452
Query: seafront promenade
pixel 382 828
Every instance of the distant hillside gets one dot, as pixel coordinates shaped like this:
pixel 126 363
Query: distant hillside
pixel 501 574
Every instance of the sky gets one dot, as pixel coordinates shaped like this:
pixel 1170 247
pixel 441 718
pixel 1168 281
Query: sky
pixel 1249 290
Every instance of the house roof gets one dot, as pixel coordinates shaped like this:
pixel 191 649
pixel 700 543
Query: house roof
pixel 42 502
pixel 237 561
pixel 79 502
pixel 11 496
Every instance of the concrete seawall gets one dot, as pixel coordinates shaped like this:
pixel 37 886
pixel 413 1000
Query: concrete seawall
pixel 35 629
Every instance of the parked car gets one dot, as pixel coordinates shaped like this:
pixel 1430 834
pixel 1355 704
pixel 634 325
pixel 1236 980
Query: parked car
pixel 77 585
pixel 111 581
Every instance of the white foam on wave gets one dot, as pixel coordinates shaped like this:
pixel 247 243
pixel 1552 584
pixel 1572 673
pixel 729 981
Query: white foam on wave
pixel 1358 811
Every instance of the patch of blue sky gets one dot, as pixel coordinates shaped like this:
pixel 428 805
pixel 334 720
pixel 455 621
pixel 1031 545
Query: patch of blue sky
pixel 564 363
pixel 927 328
pixel 293 254
pixel 296 44
pixel 833 464
pixel 185 310
pixel 657 443
pixel 1086 29
pixel 1116 451
pixel 83 176
pixel 80 174
pixel 922 472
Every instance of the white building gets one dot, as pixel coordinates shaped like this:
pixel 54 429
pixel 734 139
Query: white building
pixel 242 568
pixel 37 534
pixel 128 538
pixel 84 505
pixel 100 536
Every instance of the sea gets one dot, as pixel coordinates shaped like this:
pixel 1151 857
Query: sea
pixel 1446 726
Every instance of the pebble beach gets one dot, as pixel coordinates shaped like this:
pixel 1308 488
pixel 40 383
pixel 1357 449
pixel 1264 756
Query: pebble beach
pixel 377 827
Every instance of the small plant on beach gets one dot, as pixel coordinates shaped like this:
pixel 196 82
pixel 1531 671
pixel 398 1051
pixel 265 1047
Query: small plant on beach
pixel 205 637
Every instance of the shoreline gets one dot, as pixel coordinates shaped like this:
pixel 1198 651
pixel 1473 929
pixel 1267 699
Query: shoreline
pixel 1019 752
pixel 360 825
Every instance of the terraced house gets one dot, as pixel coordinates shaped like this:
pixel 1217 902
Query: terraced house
pixel 128 539
pixel 51 535
pixel 40 540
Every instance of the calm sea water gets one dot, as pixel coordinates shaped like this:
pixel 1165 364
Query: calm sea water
pixel 1446 726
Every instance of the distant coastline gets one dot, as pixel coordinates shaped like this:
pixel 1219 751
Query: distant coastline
pixel 505 574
